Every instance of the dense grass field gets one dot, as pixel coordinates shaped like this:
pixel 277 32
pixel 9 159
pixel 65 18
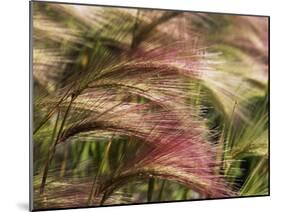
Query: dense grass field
pixel 138 105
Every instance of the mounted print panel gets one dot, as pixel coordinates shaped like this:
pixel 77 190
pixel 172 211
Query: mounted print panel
pixel 135 105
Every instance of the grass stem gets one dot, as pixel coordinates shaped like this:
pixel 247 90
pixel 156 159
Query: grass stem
pixel 52 150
